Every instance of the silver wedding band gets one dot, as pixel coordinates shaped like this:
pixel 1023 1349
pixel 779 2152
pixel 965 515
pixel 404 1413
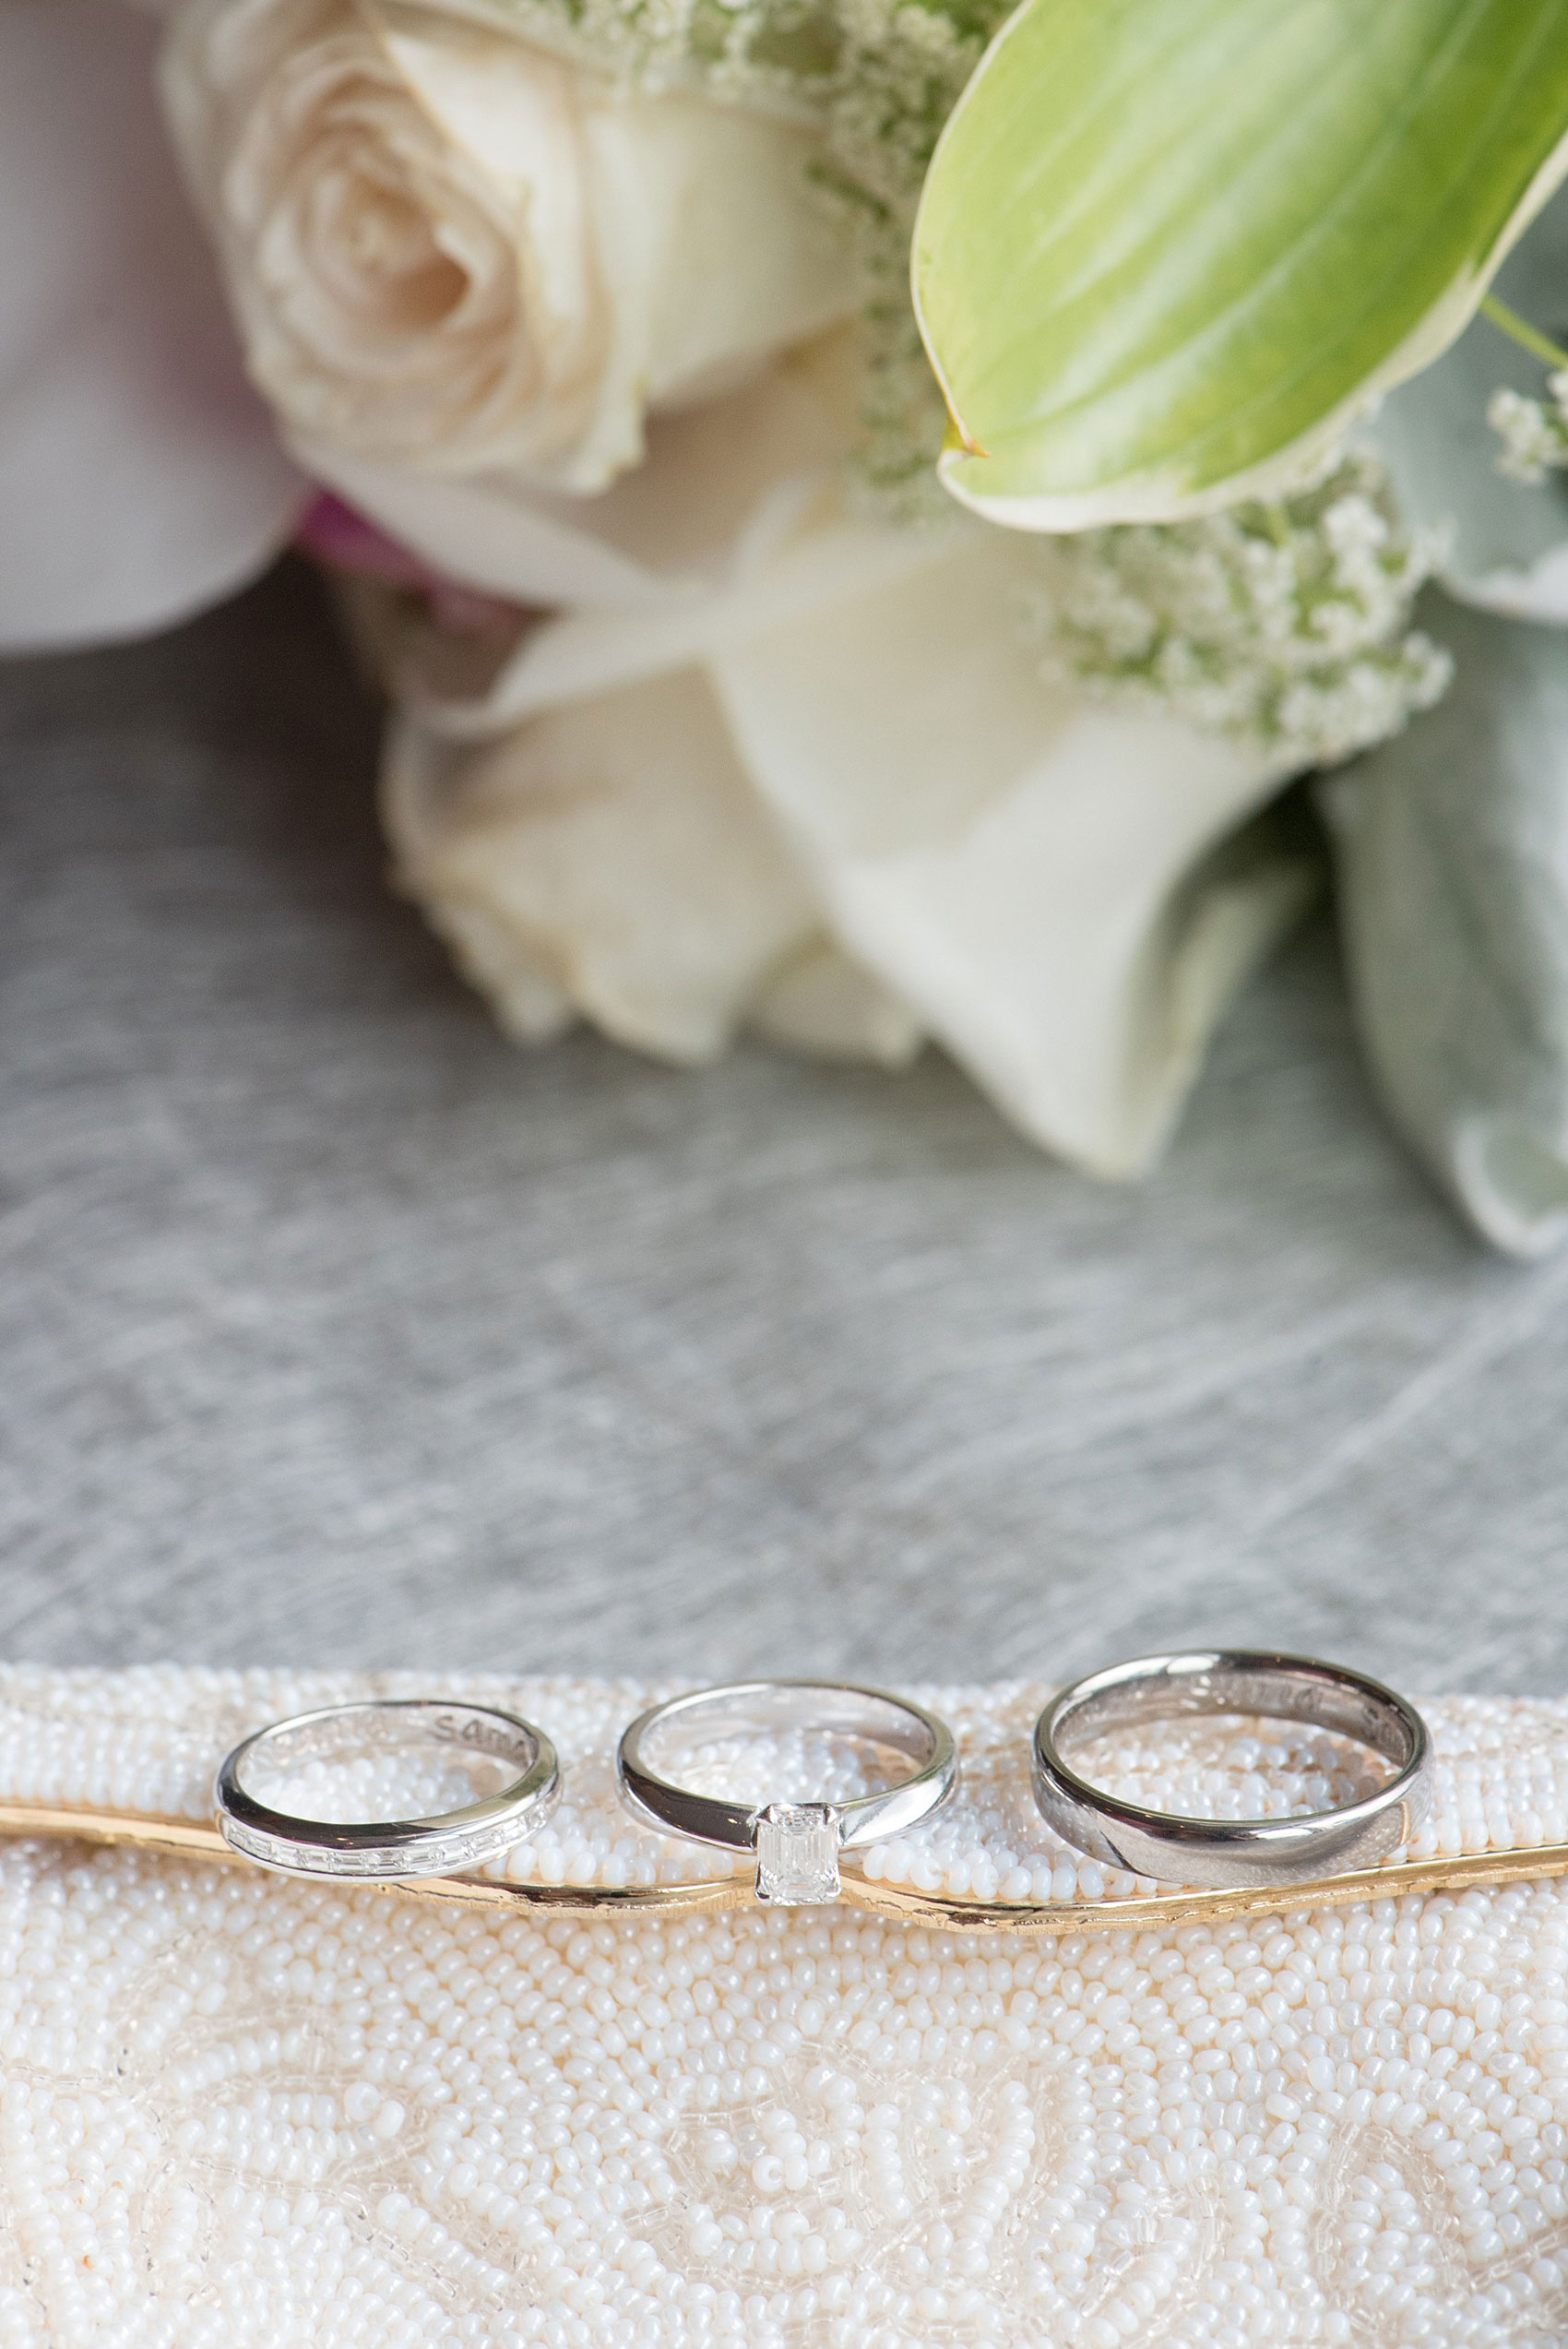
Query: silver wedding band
pixel 797 1844
pixel 1254 1852
pixel 389 1848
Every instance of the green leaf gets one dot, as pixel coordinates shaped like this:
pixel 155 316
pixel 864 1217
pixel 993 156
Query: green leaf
pixel 1167 249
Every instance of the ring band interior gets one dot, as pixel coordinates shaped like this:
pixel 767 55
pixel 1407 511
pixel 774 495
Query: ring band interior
pixel 742 1712
pixel 474 1729
pixel 1315 1696
pixel 1227 1851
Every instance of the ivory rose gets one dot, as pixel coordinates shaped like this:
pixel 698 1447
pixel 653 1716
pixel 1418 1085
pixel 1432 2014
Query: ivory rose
pixel 453 250
pixel 767 763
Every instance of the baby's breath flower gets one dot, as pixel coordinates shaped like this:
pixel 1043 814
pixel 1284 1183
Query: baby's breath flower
pixel 1534 436
pixel 1283 625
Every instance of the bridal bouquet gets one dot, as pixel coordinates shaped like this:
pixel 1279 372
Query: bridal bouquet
pixel 777 636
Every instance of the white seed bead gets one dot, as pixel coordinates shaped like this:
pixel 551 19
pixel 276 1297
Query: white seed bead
pixel 242 2110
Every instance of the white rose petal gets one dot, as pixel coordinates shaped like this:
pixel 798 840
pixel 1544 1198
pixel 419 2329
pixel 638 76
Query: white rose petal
pixel 613 862
pixel 822 1002
pixel 609 859
pixel 717 482
pixel 452 251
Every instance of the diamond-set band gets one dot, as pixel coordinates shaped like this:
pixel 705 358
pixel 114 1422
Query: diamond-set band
pixel 451 1855
pixel 388 1849
pixel 796 1844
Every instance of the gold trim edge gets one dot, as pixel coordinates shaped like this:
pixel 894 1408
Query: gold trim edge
pixel 196 1840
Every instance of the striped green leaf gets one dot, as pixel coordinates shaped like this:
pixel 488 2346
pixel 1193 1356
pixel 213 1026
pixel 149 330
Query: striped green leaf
pixel 1168 248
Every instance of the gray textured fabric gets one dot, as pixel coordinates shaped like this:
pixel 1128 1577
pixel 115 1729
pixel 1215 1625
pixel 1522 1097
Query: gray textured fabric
pixel 335 1330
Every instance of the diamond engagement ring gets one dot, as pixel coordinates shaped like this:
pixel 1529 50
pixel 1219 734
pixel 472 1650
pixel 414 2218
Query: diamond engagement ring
pixel 388 1848
pixel 797 1844
pixel 1232 1852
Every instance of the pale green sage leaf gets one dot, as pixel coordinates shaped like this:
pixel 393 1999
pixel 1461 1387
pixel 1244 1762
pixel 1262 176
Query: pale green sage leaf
pixel 1452 855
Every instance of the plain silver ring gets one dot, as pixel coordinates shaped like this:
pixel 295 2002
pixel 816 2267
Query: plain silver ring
pixel 390 1848
pixel 1233 1851
pixel 797 1844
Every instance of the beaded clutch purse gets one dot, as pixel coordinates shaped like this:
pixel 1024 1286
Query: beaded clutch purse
pixel 597 2095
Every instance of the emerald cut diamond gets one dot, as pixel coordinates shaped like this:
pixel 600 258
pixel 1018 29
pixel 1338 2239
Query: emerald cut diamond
pixel 797 1854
